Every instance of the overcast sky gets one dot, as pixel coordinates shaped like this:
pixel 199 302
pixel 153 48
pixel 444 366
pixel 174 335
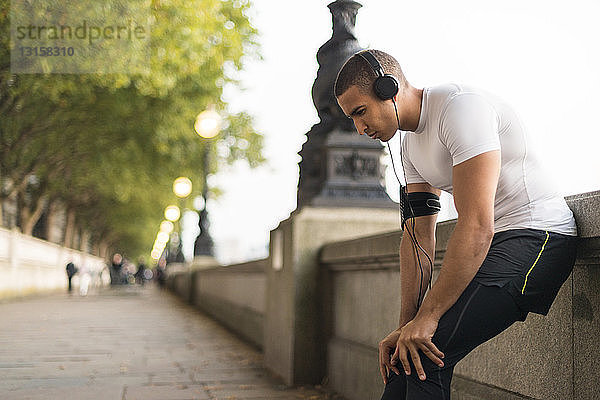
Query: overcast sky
pixel 540 56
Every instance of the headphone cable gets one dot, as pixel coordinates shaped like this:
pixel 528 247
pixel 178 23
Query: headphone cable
pixel 415 242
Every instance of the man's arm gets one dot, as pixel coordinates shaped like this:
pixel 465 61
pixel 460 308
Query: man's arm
pixel 410 273
pixel 474 183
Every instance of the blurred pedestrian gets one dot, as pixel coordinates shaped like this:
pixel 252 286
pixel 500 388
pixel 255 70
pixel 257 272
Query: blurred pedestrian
pixel 115 269
pixel 161 273
pixel 71 270
pixel 84 280
pixel 140 273
pixel 128 272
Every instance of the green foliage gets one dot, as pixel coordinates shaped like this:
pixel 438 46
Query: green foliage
pixel 110 145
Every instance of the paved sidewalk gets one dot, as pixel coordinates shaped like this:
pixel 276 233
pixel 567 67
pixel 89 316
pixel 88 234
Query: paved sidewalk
pixel 129 344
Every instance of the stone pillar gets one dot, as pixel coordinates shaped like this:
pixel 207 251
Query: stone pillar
pixel 294 346
pixel 340 196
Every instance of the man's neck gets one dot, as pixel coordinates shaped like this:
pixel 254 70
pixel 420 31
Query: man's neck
pixel 410 108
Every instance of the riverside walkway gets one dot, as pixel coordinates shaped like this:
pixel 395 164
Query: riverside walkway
pixel 125 344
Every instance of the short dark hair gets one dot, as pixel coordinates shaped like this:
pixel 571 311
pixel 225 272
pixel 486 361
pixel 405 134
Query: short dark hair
pixel 356 71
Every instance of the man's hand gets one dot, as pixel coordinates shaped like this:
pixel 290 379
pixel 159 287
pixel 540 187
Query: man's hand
pixel 386 346
pixel 415 336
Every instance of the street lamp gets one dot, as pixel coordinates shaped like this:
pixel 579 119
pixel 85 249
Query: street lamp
pixel 182 187
pixel 162 237
pixel 172 213
pixel 207 126
pixel 166 226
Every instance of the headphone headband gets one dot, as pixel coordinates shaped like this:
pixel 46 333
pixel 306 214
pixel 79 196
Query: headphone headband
pixel 370 58
pixel 385 85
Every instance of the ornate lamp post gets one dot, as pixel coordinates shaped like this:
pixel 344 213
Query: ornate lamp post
pixel 207 126
pixel 339 168
pixel 182 187
pixel 172 214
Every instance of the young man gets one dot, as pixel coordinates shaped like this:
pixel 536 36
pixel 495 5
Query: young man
pixel 514 243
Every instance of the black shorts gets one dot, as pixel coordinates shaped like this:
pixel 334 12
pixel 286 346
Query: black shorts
pixel 531 264
pixel 522 273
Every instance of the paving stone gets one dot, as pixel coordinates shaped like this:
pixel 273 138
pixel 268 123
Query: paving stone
pixel 258 391
pixel 77 392
pixel 134 343
pixel 166 392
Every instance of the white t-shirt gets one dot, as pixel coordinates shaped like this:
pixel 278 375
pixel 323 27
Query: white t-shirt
pixel 458 123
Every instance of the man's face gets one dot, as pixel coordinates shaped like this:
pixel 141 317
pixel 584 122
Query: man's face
pixel 371 116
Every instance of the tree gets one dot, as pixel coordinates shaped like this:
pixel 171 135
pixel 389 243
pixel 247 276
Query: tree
pixel 108 146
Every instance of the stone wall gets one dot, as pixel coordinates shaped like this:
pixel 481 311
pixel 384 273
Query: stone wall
pixel 233 295
pixel 29 265
pixel 553 357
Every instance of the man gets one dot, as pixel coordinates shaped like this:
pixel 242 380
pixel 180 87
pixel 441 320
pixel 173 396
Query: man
pixel 514 243
pixel 71 271
pixel 140 273
pixel 116 270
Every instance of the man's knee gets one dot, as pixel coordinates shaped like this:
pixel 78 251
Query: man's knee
pixel 436 385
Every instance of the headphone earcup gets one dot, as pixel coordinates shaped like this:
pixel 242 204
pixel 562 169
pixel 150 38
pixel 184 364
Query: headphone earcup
pixel 385 87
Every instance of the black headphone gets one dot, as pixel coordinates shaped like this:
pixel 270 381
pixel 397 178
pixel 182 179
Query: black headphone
pixel 386 85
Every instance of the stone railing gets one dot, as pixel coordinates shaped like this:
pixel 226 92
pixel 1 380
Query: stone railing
pixel 29 265
pixel 339 301
pixel 234 295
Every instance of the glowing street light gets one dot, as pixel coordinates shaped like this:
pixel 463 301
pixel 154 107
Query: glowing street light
pixel 172 213
pixel 182 187
pixel 155 254
pixel 162 237
pixel 208 124
pixel 166 226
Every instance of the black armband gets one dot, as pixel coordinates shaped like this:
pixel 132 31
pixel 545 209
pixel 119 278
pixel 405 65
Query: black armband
pixel 418 204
